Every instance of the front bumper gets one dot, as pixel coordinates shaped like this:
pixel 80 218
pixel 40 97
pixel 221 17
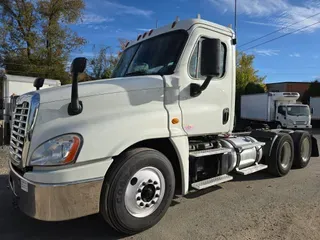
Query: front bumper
pixel 299 126
pixel 56 202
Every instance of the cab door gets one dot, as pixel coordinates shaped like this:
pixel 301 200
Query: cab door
pixel 281 116
pixel 213 110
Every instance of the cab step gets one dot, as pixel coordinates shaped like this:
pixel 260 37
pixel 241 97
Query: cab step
pixel 211 182
pixel 252 169
pixel 209 152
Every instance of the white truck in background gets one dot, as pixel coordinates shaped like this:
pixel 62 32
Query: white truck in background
pixel 11 88
pixel 123 147
pixel 315 109
pixel 275 109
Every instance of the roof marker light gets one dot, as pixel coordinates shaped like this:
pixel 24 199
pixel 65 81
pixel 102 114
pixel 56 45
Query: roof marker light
pixel 139 37
pixel 144 35
pixel 151 31
pixel 127 44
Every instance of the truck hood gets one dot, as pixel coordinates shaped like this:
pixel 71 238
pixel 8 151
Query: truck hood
pixel 99 87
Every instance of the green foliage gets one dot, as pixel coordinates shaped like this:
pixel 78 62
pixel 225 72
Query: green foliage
pixel 246 73
pixel 313 91
pixel 35 39
pixel 102 64
pixel 247 79
pixel 253 88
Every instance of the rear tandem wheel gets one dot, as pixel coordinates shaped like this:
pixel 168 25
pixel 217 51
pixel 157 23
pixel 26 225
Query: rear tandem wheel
pixel 282 154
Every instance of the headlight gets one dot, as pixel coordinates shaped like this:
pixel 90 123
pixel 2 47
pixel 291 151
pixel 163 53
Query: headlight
pixel 57 151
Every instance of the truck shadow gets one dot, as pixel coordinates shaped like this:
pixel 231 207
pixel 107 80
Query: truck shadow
pixel 263 175
pixel 15 225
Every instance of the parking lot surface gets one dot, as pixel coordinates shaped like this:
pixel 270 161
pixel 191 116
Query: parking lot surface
pixel 257 206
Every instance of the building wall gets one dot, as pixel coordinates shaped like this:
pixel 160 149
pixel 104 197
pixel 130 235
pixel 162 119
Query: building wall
pixel 300 87
pixel 297 87
pixel 276 87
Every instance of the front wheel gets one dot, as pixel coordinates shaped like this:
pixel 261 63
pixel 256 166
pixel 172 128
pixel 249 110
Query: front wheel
pixel 137 191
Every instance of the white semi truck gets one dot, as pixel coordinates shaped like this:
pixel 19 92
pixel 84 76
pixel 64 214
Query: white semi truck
pixel 162 126
pixel 276 109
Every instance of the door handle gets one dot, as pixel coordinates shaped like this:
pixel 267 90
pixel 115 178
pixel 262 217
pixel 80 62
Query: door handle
pixel 225 116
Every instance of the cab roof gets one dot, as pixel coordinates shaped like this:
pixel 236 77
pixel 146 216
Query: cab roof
pixel 182 25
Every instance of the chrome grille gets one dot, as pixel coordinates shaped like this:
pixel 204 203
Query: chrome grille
pixel 300 122
pixel 19 131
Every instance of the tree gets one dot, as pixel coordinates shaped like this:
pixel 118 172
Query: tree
pixel 246 73
pixel 253 88
pixel 35 38
pixel 247 79
pixel 102 64
pixel 313 91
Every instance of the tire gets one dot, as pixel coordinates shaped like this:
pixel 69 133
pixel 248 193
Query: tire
pixel 277 125
pixel 282 154
pixel 248 129
pixel 127 185
pixel 303 148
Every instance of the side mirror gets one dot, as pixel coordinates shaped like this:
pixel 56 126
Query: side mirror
pixel 210 57
pixel 210 64
pixel 38 83
pixel 78 65
pixel 312 109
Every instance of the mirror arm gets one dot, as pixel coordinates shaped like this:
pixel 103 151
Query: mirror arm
pixel 196 89
pixel 75 107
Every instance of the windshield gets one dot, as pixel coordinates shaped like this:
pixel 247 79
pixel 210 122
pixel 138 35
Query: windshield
pixel 298 111
pixel 158 55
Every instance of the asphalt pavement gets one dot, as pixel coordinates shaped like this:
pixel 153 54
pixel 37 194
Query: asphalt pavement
pixel 257 206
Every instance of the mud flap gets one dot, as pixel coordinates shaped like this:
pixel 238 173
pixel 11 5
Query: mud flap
pixel 315 150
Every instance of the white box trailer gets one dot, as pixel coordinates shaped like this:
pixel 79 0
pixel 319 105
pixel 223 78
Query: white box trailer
pixel 14 85
pixel 315 107
pixel 277 109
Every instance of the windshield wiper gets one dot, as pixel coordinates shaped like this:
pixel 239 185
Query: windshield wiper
pixel 136 73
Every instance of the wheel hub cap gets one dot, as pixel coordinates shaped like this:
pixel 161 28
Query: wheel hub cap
pixel 144 192
pixel 285 155
pixel 305 150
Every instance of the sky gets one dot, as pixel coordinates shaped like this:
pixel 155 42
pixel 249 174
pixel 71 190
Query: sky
pixel 292 57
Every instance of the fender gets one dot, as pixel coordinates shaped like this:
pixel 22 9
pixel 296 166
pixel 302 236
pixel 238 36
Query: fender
pixel 315 149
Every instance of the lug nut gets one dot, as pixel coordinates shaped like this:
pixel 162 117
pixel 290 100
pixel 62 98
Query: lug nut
pixel 150 181
pixel 153 202
pixel 141 204
pixel 155 182
pixel 157 195
pixel 158 188
pixel 139 190
pixel 143 184
pixel 138 198
pixel 147 205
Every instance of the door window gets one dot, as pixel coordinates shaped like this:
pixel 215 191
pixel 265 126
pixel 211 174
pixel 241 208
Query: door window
pixel 282 110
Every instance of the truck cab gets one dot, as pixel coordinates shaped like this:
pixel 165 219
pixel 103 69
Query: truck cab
pixel 294 116
pixel 123 147
pixel 289 113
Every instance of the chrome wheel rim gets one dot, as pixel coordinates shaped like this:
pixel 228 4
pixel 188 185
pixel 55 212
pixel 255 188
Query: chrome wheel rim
pixel 305 150
pixel 285 155
pixel 144 192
